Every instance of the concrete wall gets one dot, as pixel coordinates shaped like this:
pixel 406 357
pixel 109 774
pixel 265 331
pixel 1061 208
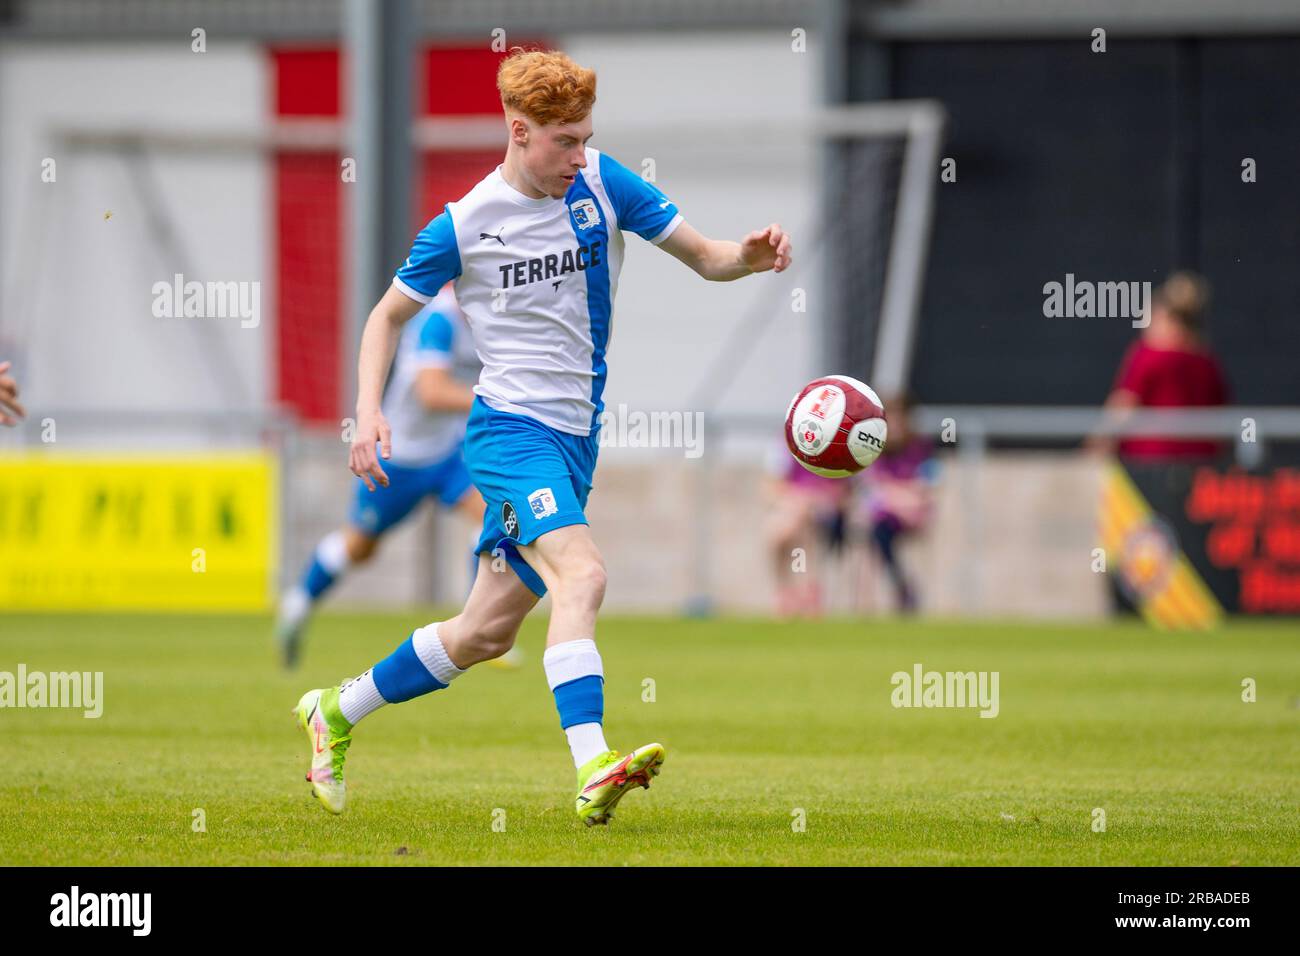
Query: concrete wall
pixel 1012 538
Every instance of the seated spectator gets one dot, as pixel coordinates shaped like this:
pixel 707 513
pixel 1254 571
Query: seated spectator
pixel 898 494
pixel 807 514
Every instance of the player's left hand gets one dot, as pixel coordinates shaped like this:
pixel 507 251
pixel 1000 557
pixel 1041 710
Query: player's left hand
pixel 765 249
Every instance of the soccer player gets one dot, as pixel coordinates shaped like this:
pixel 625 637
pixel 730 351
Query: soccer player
pixel 535 251
pixel 426 406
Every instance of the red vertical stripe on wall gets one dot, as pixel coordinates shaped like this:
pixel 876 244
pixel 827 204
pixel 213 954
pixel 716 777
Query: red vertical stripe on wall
pixel 308 241
pixel 462 81
pixel 459 81
pixel 455 81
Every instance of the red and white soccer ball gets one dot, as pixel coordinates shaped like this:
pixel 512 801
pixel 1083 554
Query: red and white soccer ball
pixel 835 426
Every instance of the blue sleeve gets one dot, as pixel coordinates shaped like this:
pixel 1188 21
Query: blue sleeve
pixel 435 335
pixel 434 260
pixel 639 205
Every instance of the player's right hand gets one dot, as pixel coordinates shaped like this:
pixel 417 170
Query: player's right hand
pixel 372 429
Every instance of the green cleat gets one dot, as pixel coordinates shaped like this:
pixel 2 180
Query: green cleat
pixel 603 780
pixel 319 716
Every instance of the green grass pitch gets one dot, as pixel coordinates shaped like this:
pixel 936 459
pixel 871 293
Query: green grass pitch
pixel 767 725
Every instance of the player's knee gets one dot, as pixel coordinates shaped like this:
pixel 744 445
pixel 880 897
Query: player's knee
pixel 583 580
pixel 494 635
pixel 361 547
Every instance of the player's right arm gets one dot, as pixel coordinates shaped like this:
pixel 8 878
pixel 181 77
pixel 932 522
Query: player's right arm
pixel 378 345
pixel 434 261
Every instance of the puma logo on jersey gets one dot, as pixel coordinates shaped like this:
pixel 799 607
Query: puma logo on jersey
pixel 497 237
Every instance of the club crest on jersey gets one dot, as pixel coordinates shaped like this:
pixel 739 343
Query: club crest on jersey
pixel 542 501
pixel 585 213
pixel 509 520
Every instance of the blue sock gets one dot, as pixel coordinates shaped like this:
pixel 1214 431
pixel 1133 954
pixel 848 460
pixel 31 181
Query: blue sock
pixel 328 562
pixel 417 666
pixel 581 701
pixel 316 581
pixel 401 675
pixel 576 677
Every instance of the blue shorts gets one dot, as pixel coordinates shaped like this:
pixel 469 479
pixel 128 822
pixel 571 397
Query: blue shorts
pixel 374 512
pixel 533 479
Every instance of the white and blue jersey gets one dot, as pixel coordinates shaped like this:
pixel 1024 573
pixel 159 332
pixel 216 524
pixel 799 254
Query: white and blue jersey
pixel 536 280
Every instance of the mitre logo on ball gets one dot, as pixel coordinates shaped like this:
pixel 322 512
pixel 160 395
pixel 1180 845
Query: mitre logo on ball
pixel 835 426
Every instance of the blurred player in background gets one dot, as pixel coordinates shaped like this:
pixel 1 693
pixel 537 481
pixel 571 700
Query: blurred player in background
pixel 425 406
pixel 1169 366
pixel 897 494
pixel 807 525
pixel 535 250
pixel 11 411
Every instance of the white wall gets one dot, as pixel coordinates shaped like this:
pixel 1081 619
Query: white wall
pixel 77 285
pixel 78 257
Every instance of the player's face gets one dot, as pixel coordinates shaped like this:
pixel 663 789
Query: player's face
pixel 555 154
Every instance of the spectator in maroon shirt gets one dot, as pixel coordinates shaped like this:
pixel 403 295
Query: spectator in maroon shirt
pixel 1170 366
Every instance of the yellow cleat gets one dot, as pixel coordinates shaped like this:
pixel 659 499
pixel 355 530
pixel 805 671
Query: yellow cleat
pixel 603 780
pixel 319 717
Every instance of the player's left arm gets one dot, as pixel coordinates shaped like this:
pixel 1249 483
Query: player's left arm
pixel 644 209
pixel 721 260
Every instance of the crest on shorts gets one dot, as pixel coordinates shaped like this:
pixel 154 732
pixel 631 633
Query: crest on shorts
pixel 542 501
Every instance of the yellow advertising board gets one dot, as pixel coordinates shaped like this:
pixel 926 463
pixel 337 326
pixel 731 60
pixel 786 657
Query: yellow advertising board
pixel 137 533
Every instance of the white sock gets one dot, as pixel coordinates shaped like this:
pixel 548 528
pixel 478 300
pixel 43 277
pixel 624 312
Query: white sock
pixel 570 661
pixel 332 553
pixel 294 607
pixel 585 741
pixel 429 649
pixel 359 697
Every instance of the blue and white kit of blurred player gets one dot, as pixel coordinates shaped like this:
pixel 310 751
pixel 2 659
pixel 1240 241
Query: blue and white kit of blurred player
pixel 427 462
